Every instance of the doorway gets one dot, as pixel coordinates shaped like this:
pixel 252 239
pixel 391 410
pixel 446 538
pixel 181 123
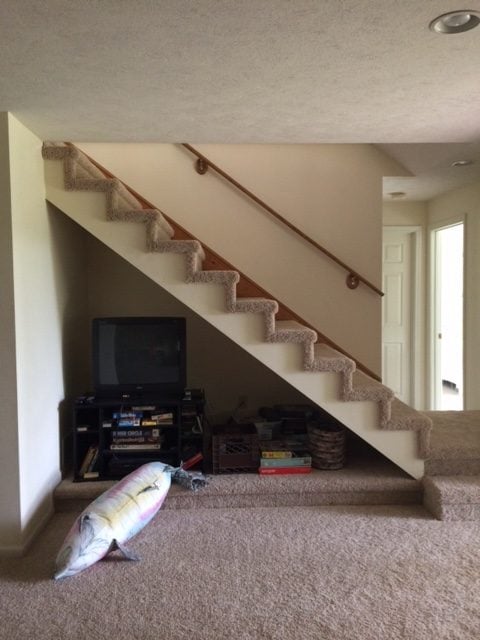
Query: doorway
pixel 448 317
pixel 402 314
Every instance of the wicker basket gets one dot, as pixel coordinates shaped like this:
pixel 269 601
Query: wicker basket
pixel 327 444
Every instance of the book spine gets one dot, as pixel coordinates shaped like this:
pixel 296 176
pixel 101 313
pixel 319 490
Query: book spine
pixel 136 441
pixel 273 471
pixel 277 454
pixel 133 422
pixel 127 415
pixel 305 461
pixel 136 433
pixel 134 447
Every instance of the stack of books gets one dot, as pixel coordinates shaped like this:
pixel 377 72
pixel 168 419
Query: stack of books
pixel 284 457
pixel 132 431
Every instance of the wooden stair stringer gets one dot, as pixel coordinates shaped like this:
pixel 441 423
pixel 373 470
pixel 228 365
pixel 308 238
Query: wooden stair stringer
pixel 176 265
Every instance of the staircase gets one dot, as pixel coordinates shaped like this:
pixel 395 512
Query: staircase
pixel 290 349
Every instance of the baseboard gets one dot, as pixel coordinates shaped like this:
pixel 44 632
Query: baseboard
pixel 28 536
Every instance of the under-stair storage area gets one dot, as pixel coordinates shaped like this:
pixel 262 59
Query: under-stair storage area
pixel 288 348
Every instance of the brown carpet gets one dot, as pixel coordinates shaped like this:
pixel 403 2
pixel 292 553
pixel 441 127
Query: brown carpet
pixel 364 480
pixel 310 573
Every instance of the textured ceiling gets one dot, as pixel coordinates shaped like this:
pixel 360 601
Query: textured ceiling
pixel 240 71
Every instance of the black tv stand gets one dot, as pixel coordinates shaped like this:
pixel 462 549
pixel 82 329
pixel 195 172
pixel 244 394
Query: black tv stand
pixel 113 436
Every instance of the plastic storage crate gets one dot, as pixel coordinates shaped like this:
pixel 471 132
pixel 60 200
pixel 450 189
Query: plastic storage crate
pixel 235 449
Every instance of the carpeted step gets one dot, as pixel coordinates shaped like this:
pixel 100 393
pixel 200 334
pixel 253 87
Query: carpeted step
pixel 364 482
pixel 453 497
pixel 326 358
pixel 455 443
pixel 256 305
pixel 359 386
pixel 292 331
pixel 404 417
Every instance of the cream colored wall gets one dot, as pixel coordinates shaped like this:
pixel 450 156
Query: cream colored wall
pixel 465 202
pixel 9 471
pixel 331 192
pixel 214 362
pixel 44 290
pixel 403 214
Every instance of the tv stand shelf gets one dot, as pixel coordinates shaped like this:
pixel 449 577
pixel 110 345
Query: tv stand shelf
pixel 112 437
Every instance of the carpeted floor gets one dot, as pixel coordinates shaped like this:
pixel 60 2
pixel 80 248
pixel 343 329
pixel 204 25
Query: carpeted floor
pixel 310 573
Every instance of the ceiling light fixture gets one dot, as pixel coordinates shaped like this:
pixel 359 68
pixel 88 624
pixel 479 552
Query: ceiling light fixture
pixel 397 194
pixel 455 21
pixel 461 163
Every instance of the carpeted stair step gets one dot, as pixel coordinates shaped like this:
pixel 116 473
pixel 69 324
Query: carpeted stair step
pixel 358 386
pixel 256 305
pixel 293 332
pixel 404 417
pixel 326 358
pixel 453 497
pixel 365 482
pixel 455 443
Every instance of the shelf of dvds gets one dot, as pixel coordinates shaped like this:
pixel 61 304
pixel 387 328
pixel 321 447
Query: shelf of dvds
pixel 112 438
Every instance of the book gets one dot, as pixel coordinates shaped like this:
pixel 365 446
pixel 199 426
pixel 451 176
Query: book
pixel 162 417
pixel 136 441
pixel 272 471
pixel 135 447
pixel 127 415
pixel 136 433
pixel 92 472
pixel 91 451
pixel 276 453
pixel 91 475
pixel 128 422
pixel 302 461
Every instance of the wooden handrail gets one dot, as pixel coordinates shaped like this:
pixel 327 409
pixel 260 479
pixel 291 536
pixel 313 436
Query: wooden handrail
pixel 353 278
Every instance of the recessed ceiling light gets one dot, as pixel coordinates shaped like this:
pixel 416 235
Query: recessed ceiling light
pixel 455 21
pixel 397 194
pixel 462 163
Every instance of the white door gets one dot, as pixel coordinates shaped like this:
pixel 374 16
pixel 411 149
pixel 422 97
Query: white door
pixel 397 311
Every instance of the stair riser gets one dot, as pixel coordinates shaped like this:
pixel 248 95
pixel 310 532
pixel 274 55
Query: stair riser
pixel 270 500
pixel 460 467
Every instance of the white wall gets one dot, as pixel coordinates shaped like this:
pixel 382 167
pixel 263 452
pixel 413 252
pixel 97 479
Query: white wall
pixel 43 287
pixel 332 192
pixel 9 471
pixel 443 210
pixel 214 362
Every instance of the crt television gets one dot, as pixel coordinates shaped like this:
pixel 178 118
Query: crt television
pixel 138 356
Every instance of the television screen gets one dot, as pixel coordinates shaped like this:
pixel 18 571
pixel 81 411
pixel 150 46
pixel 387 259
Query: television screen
pixel 139 355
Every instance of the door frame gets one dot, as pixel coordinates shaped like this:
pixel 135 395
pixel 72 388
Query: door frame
pixel 433 303
pixel 417 317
